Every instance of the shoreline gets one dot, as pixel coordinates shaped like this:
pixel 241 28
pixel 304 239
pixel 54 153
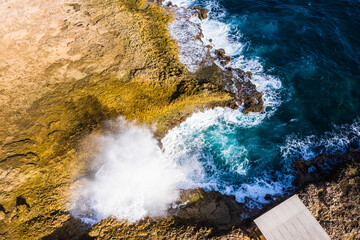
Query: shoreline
pixel 99 75
pixel 108 59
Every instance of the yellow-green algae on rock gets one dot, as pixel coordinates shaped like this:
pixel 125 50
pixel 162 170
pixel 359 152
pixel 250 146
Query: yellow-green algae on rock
pixel 129 67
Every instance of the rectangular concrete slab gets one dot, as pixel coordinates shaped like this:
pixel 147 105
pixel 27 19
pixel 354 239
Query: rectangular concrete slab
pixel 290 220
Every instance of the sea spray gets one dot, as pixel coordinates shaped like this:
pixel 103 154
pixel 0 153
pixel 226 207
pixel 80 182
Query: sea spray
pixel 131 178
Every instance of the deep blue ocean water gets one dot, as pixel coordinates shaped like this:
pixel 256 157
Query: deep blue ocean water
pixel 313 49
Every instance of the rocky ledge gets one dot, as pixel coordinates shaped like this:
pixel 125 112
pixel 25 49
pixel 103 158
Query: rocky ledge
pixel 198 215
pixel 92 61
pixel 66 69
pixel 332 197
pixel 330 188
pixel 209 64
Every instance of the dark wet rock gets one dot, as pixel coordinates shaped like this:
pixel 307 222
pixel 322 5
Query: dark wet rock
pixel 249 74
pixel 225 60
pixel 268 197
pixel 247 95
pixel 212 74
pixel 245 92
pixel 220 211
pixel 199 37
pixel 208 51
pixel 220 55
pixel 320 167
pixel 202 13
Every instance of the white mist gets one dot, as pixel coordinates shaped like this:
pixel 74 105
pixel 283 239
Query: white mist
pixel 132 178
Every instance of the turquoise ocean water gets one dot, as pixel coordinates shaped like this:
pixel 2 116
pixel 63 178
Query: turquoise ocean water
pixel 305 57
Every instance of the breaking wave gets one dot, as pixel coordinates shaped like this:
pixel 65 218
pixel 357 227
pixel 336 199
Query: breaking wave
pixel 223 149
pixel 131 178
pixel 336 141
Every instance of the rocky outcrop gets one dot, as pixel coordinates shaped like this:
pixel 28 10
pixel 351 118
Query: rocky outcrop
pixel 220 55
pixel 199 215
pixel 247 95
pixel 334 196
pixel 210 208
pixel 208 65
pixel 235 81
pixel 321 167
pixel 202 12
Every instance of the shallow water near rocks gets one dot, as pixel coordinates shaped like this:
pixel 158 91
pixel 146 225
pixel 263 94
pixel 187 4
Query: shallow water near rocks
pixel 305 59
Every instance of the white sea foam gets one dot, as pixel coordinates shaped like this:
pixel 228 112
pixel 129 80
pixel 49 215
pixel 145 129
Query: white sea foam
pixel 186 144
pixel 256 191
pixel 180 3
pixel 187 26
pixel 184 29
pixel 132 178
pixel 338 140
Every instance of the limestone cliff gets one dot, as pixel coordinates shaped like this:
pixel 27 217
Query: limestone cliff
pixel 65 68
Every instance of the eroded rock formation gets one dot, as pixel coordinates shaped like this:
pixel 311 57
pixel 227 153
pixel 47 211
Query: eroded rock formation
pixel 334 196
pixel 210 208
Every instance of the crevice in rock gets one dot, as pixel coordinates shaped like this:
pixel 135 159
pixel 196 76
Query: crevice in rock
pixel 20 201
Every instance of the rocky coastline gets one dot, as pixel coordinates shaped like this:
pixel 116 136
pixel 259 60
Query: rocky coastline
pixel 92 62
pixel 123 62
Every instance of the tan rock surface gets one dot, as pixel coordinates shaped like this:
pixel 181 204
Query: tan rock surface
pixel 66 67
pixel 335 202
